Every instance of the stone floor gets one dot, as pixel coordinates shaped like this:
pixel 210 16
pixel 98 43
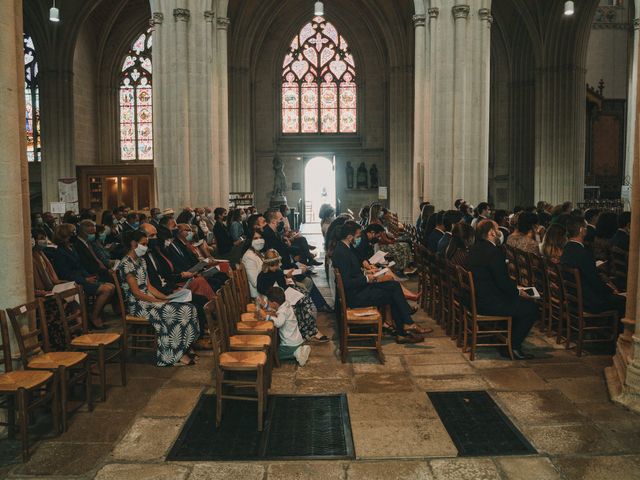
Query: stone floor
pixel 558 401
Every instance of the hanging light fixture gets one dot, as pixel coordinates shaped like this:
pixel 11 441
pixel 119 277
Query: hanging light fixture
pixel 54 13
pixel 318 10
pixel 568 8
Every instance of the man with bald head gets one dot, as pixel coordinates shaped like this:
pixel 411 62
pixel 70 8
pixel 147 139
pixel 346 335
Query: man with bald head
pixel 496 293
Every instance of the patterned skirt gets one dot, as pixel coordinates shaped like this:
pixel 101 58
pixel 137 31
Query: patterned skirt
pixel 176 326
pixel 306 315
pixel 402 254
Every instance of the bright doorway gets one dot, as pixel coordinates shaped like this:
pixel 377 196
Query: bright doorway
pixel 319 186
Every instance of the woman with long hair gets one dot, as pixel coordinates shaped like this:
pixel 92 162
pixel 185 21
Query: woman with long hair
pixel 555 238
pixel 462 239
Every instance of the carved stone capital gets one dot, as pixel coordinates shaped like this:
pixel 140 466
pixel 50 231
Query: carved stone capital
pixel 460 11
pixel 433 12
pixel 209 16
pixel 181 14
pixel 156 19
pixel 419 20
pixel 223 23
pixel 485 15
pixel 636 23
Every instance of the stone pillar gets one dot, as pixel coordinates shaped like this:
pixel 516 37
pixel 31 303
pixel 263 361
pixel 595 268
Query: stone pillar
pixel 453 145
pixel 560 133
pixel 631 100
pixel 623 378
pixel 420 74
pixel 190 103
pixel 16 281
pixel 240 118
pixel 58 141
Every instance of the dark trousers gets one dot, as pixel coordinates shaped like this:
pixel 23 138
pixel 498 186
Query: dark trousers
pixel 523 315
pixel 381 294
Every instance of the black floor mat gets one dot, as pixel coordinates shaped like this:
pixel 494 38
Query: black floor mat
pixel 477 426
pixel 296 427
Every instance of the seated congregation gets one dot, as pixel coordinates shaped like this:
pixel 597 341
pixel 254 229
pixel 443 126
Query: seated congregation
pixel 241 284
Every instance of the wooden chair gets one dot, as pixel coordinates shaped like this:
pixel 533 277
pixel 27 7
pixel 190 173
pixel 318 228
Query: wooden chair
pixel 137 332
pixel 367 318
pixel 23 391
pixel 422 256
pixel 240 276
pixel 619 267
pixel 103 346
pixel 523 268
pixel 445 292
pixel 216 314
pixel 248 324
pixel 435 296
pixel 237 362
pixel 455 327
pixel 539 280
pixel 512 268
pixel 556 315
pixel 580 321
pixel 33 341
pixel 476 325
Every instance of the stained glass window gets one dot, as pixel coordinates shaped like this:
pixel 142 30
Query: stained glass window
pixel 319 93
pixel 32 100
pixel 136 112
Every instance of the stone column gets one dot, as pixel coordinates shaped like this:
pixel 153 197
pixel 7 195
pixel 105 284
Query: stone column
pixel 631 99
pixel 420 74
pixel 16 281
pixel 623 378
pixel 455 137
pixel 58 141
pixel 240 118
pixel 190 103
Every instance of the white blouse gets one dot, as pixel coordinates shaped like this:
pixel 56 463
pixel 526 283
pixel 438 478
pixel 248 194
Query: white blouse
pixel 253 265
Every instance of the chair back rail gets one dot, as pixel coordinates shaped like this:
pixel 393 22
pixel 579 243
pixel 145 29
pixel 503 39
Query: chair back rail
pixel 512 268
pixel 5 360
pixel 212 311
pixel 619 267
pixel 523 268
pixel 33 339
pixel 74 323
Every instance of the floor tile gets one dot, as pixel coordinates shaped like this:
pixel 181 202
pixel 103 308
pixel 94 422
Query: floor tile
pixel 464 469
pixel 598 468
pixel 134 471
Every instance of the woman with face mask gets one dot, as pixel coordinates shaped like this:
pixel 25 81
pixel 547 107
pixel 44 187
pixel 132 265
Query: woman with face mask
pixel 176 324
pixel 252 261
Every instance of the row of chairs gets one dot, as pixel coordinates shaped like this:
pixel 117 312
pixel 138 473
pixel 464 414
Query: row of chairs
pixel 449 297
pixel 47 377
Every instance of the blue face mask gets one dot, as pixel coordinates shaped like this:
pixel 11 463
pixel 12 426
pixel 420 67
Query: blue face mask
pixel 135 225
pixel 91 237
pixel 358 241
pixel 102 237
pixel 189 236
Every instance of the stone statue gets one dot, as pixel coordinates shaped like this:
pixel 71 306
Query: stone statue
pixel 349 175
pixel 279 183
pixel 362 176
pixel 373 175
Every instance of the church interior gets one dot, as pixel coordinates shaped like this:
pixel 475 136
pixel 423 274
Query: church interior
pixel 294 239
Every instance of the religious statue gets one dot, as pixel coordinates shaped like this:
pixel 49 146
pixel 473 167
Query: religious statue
pixel 361 178
pixel 349 175
pixel 373 175
pixel 279 183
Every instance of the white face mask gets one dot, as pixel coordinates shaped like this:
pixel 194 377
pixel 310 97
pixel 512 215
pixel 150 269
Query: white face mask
pixel 258 244
pixel 500 238
pixel 141 250
pixel 167 243
pixel 107 230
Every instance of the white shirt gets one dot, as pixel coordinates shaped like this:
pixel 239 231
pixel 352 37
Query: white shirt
pixel 287 324
pixel 253 265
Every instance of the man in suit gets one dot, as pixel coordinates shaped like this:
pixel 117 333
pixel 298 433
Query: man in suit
pixel 49 224
pixel 450 218
pixel 621 237
pixel 496 293
pixel 591 217
pixel 274 241
pixel 364 290
pixel 437 233
pixel 483 211
pixel 502 219
pixel 597 296
pixel 368 237
pixel 88 257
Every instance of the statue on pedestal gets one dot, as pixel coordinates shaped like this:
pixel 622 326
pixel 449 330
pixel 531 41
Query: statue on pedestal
pixel 349 175
pixel 373 175
pixel 279 183
pixel 362 176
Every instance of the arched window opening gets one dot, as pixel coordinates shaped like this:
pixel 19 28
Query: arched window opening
pixel 136 112
pixel 319 93
pixel 32 100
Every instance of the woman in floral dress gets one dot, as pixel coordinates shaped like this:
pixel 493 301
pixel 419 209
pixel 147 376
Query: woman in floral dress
pixel 176 324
